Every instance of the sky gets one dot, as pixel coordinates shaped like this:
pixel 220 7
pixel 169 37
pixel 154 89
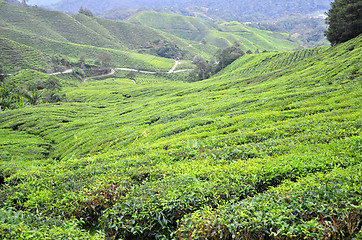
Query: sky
pixel 42 2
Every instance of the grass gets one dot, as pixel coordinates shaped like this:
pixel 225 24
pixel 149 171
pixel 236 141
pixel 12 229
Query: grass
pixel 268 148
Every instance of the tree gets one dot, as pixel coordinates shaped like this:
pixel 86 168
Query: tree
pixel 24 2
pixel 228 55
pixel 85 11
pixel 344 20
pixel 105 58
pixel 197 59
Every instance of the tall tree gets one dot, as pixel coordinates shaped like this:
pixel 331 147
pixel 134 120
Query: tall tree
pixel 344 20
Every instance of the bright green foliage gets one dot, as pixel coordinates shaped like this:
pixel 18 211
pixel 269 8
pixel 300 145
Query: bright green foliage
pixel 29 87
pixel 345 21
pixel 268 148
pixel 21 225
pixel 321 206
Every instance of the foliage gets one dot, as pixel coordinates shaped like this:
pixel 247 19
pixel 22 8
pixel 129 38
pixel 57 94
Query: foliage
pixel 269 147
pixel 308 30
pixel 85 11
pixel 105 59
pixel 21 225
pixel 10 97
pixel 314 207
pixel 168 50
pixel 228 55
pixel 224 57
pixel 29 87
pixel 344 20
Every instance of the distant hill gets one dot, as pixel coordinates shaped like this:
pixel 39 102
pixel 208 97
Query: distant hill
pixel 218 34
pixel 56 33
pixel 261 8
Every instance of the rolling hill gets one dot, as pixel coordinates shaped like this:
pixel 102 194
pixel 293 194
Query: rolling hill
pixel 79 29
pixel 270 147
pixel 55 33
pixel 220 35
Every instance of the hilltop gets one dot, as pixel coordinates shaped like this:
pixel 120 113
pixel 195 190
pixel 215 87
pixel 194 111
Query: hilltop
pixel 268 147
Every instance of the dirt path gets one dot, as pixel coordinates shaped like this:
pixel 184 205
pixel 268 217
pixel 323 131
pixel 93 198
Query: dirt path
pixel 66 71
pixel 103 75
pixel 172 70
pixel 113 70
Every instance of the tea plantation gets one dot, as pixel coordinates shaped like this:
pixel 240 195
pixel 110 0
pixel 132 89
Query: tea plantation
pixel 268 148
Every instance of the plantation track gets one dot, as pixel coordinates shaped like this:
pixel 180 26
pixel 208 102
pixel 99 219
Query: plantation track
pixel 113 70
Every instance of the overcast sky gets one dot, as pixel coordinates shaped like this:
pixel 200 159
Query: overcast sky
pixel 42 2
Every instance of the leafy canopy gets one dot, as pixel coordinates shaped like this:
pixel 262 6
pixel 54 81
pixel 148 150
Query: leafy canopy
pixel 345 21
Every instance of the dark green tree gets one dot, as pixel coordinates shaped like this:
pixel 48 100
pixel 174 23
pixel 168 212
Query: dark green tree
pixel 344 20
pixel 105 59
pixel 228 55
pixel 85 11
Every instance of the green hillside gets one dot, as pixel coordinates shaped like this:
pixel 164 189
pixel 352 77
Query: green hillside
pixel 37 27
pixel 220 35
pixel 270 148
pixel 21 56
pixel 74 51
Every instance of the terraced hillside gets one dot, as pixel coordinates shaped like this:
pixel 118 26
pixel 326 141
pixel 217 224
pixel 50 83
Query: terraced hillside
pixel 78 29
pixel 56 33
pixel 270 148
pixel 220 35
pixel 22 56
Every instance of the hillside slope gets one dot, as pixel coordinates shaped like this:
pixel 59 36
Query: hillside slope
pixel 21 56
pixel 219 35
pixel 269 148
pixel 89 31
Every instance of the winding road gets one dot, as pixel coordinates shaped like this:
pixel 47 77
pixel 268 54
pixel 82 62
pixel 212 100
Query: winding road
pixel 113 70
